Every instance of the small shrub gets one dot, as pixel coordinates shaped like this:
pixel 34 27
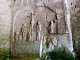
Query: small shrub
pixel 59 55
pixel 4 55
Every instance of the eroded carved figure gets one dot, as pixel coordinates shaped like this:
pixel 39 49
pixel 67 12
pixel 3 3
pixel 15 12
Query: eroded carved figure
pixel 16 37
pixel 53 27
pixel 23 28
pixel 39 32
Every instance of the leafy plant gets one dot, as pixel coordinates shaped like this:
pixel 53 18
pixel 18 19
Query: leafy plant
pixel 59 55
pixel 4 55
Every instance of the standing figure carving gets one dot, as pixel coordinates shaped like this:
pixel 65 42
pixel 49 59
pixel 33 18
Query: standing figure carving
pixel 23 31
pixel 46 42
pixel 16 36
pixel 53 27
pixel 39 30
pixel 29 33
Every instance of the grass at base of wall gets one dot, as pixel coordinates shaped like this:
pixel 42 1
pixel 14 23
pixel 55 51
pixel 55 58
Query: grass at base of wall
pixel 5 54
pixel 24 58
pixel 58 54
pixel 29 56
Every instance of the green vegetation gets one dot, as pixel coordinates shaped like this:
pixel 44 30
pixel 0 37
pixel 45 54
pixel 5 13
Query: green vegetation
pixel 59 55
pixel 4 55
pixel 24 58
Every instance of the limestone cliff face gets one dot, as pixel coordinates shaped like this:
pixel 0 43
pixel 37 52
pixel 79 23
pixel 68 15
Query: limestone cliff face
pixel 30 21
pixel 35 19
pixel 5 23
pixel 75 22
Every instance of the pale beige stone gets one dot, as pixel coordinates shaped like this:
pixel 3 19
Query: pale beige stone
pixel 5 23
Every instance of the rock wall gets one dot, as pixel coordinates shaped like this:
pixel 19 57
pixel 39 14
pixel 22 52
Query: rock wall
pixel 75 22
pixel 5 24
pixel 29 20
pixel 34 19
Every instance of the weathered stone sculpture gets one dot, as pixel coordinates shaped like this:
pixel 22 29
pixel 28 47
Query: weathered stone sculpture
pixel 39 32
pixel 30 33
pixel 16 36
pixel 23 28
pixel 53 27
pixel 39 18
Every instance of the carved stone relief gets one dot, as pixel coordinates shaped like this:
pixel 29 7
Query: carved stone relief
pixel 52 42
pixel 31 22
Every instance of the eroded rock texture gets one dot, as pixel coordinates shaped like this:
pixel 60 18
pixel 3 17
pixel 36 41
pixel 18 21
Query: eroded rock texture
pixel 5 24
pixel 35 19
pixel 75 20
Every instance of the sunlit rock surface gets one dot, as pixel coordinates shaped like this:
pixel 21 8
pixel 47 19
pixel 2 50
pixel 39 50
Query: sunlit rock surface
pixel 5 24
pixel 35 19
pixel 75 22
pixel 24 23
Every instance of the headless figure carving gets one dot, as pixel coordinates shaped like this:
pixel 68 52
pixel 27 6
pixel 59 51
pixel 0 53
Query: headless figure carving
pixel 46 42
pixel 17 36
pixel 53 27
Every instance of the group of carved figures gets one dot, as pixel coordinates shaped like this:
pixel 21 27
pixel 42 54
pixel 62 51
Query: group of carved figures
pixel 25 33
pixel 22 34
